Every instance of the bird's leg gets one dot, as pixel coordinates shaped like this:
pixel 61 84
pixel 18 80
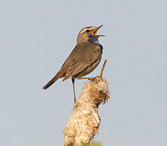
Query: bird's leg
pixel 73 80
pixel 89 78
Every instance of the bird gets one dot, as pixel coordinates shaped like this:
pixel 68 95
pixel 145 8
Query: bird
pixel 83 59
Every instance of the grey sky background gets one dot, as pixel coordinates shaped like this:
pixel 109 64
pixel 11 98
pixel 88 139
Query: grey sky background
pixel 36 36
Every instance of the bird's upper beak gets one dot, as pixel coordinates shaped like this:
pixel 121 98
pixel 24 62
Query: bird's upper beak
pixel 96 29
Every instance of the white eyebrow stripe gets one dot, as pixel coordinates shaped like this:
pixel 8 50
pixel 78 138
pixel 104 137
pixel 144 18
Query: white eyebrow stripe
pixel 84 29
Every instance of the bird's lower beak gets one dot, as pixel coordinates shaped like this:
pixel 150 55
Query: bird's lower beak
pixel 96 29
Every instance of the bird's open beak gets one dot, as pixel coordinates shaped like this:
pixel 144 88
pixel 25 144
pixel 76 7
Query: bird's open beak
pixel 96 29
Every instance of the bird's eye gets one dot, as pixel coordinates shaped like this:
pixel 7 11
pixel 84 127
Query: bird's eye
pixel 87 30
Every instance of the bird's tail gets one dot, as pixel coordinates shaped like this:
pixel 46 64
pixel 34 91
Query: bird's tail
pixel 54 79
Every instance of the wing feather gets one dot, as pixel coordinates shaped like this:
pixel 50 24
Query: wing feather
pixel 84 56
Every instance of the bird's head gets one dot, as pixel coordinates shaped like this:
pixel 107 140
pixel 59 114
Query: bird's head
pixel 89 34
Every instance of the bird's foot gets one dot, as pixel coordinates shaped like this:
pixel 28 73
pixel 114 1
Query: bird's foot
pixel 88 78
pixel 97 78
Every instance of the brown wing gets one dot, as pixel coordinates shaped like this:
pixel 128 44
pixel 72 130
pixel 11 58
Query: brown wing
pixel 83 55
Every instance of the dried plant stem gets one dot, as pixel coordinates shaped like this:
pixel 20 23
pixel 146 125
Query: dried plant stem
pixel 84 121
pixel 101 72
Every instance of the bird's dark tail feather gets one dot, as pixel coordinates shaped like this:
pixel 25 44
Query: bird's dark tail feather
pixel 54 79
